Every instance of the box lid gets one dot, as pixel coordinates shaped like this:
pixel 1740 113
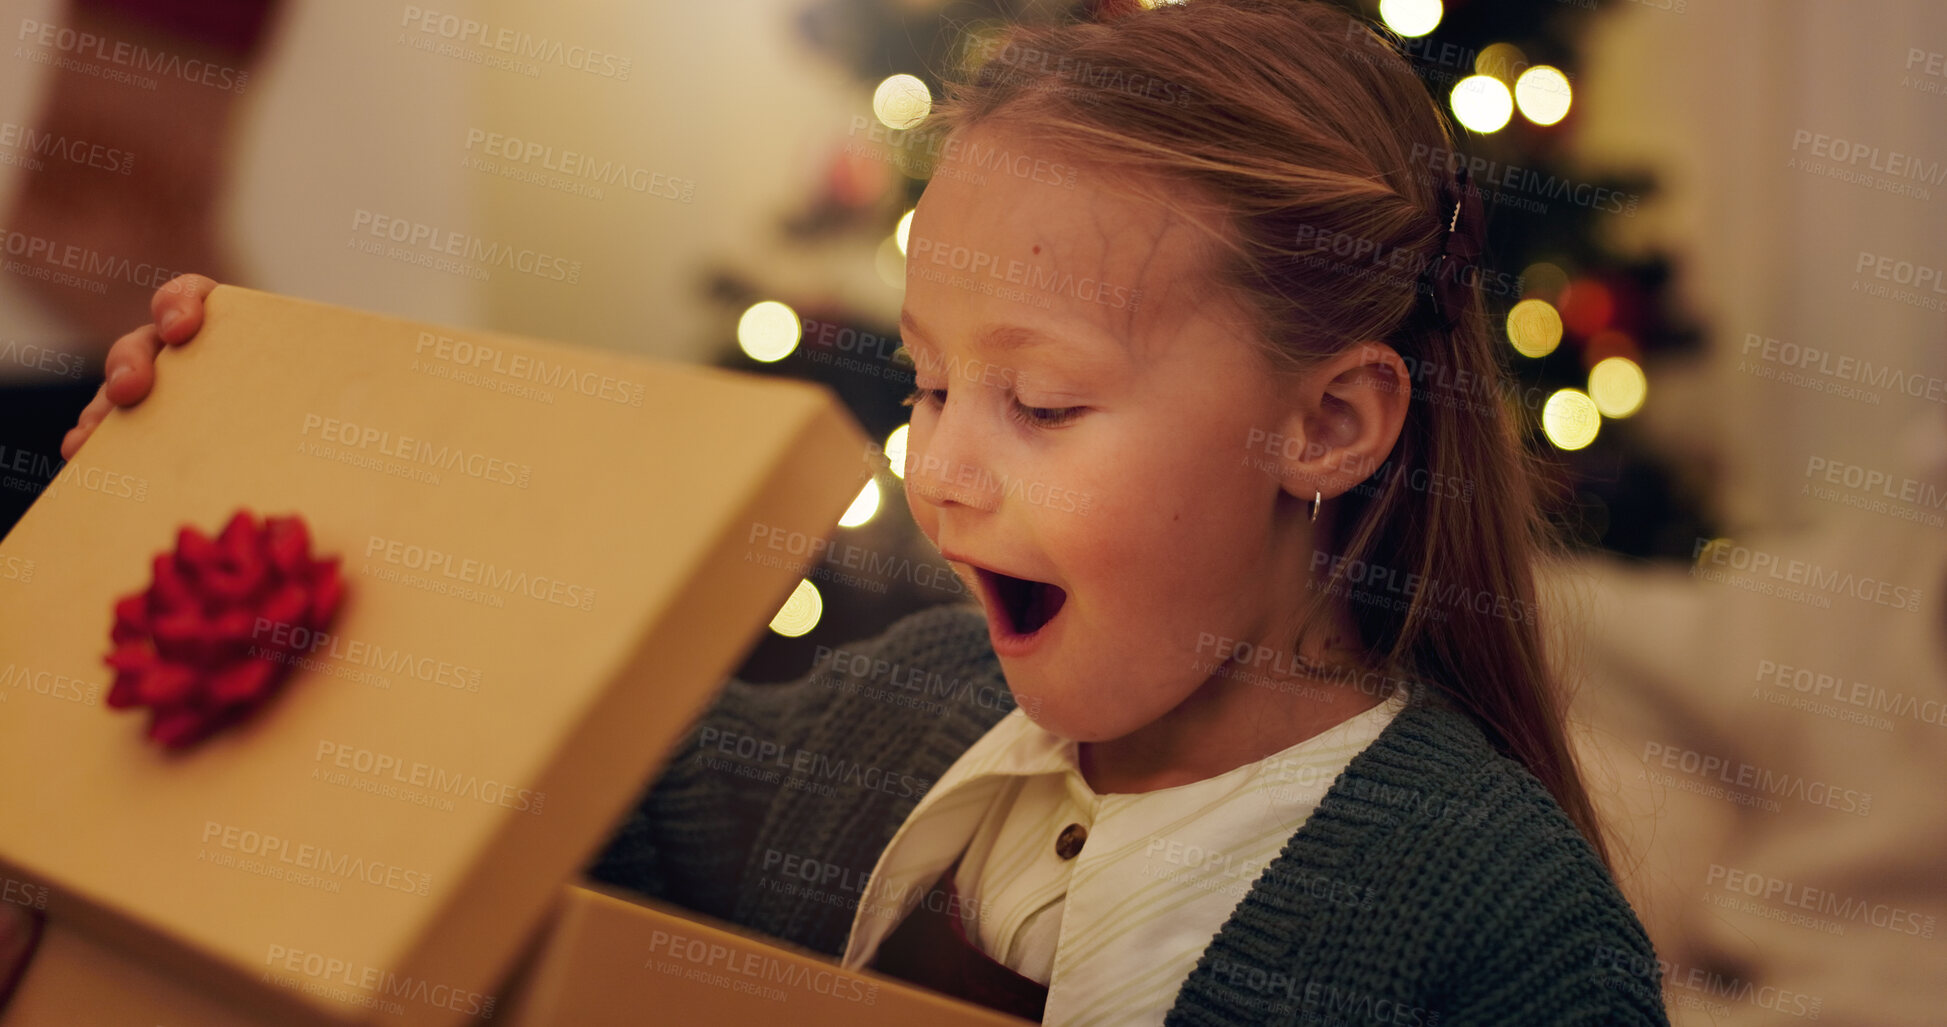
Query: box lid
pixel 549 570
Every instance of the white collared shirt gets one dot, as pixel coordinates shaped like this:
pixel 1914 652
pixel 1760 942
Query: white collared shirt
pixel 1116 929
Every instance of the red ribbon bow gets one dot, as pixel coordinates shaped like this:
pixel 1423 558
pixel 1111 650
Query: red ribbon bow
pixel 217 630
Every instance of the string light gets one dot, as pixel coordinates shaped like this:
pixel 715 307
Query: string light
pixel 902 101
pixel 1543 94
pixel 905 229
pixel 1618 387
pixel 800 611
pixel 1543 280
pixel 769 331
pixel 1410 17
pixel 890 263
pixel 896 450
pixel 863 507
pixel 1534 328
pixel 1500 60
pixel 1570 419
pixel 1610 342
pixel 1482 103
pixel 1587 306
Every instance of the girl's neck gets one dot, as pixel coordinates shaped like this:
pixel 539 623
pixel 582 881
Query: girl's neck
pixel 1233 719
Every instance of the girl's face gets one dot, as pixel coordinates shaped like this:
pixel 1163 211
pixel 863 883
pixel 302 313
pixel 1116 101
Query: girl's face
pixel 1094 418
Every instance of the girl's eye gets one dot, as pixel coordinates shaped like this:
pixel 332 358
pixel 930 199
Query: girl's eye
pixel 1043 417
pixel 1033 417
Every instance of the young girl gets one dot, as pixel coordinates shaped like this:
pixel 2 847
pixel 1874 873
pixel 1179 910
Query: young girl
pixel 1286 749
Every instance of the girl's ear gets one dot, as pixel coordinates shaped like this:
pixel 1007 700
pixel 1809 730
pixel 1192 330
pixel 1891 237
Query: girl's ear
pixel 1349 411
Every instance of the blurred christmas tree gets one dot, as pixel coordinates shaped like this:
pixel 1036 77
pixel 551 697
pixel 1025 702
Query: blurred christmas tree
pixel 1592 317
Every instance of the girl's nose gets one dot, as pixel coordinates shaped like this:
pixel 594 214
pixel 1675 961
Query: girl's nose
pixel 950 466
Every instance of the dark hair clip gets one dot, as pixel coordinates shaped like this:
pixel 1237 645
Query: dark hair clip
pixel 1445 281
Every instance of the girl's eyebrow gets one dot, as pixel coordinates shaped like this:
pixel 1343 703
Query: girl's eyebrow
pixel 1011 338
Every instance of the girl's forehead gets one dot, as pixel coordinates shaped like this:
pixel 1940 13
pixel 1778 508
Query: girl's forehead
pixel 1052 251
pixel 1028 191
pixel 1085 227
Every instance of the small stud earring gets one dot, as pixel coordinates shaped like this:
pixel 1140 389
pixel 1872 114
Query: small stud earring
pixel 1317 497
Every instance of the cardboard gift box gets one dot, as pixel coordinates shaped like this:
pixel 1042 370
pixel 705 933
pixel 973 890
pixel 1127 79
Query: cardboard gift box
pixel 601 960
pixel 613 961
pixel 550 562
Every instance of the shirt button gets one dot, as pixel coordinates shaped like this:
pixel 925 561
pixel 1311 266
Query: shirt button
pixel 1069 844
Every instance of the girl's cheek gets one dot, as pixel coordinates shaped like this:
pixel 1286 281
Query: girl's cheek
pixel 922 511
pixel 923 516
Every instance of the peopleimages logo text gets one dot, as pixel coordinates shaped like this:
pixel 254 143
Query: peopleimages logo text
pixel 1713 554
pixel 415 235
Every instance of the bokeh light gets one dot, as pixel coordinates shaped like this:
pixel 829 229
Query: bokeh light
pixel 1570 419
pixel 1499 60
pixel 1610 342
pixel 1587 306
pixel 1543 94
pixel 800 612
pixel 890 263
pixel 1410 17
pixel 905 229
pixel 863 507
pixel 769 331
pixel 1544 281
pixel 902 101
pixel 896 450
pixel 1534 328
pixel 1482 103
pixel 1618 387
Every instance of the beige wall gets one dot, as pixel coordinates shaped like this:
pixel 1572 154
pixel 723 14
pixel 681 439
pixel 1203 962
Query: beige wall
pixel 345 115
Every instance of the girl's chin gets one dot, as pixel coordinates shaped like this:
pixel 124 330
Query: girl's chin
pixel 1072 718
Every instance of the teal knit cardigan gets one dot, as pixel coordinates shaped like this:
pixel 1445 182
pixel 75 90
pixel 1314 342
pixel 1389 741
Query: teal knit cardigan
pixel 1437 882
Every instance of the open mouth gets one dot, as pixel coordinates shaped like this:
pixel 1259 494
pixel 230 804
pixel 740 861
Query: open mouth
pixel 1026 606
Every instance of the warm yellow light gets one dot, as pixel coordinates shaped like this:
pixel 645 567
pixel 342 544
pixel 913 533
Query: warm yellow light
pixel 1500 60
pixel 902 101
pixel 1543 94
pixel 800 612
pixel 1535 328
pixel 889 263
pixel 905 228
pixel 1543 281
pixel 1618 387
pixel 1482 103
pixel 769 331
pixel 863 507
pixel 1410 17
pixel 896 449
pixel 1570 419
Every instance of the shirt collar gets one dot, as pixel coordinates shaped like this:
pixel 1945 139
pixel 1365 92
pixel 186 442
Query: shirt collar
pixel 1018 747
